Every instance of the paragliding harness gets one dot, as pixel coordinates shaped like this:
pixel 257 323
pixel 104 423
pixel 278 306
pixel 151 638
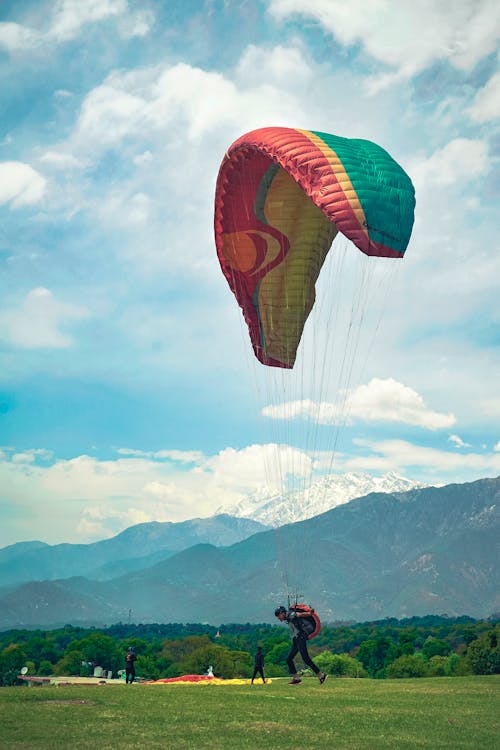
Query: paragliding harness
pixel 310 625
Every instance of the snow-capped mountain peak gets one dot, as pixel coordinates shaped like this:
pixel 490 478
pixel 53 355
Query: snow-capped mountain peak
pixel 326 493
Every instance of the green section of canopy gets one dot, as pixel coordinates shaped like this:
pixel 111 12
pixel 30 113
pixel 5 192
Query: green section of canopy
pixel 384 190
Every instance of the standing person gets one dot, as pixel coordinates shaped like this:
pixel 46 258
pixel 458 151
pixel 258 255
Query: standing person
pixel 258 667
pixel 299 633
pixel 130 658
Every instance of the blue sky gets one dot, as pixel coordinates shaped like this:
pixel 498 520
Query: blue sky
pixel 127 387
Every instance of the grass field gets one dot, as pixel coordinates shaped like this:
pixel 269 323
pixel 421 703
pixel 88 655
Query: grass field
pixel 453 713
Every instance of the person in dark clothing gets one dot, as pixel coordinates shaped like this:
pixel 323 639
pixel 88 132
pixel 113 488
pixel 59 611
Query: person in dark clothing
pixel 130 658
pixel 258 667
pixel 299 633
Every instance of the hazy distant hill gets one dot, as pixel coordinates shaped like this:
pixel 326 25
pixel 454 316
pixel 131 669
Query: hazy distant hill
pixel 137 547
pixel 431 550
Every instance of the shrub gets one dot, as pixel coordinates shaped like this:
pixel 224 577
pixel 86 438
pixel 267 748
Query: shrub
pixel 407 666
pixel 340 665
pixel 456 665
pixel 275 670
pixel 437 666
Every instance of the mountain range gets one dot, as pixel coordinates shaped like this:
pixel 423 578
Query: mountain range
pixel 427 550
pixel 145 544
pixel 134 548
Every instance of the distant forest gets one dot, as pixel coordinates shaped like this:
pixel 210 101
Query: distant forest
pixel 430 646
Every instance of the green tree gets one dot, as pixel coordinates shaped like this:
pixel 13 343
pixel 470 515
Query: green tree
pixel 70 664
pixel 145 666
pixel 375 654
pixel 176 650
pixel 408 640
pixel 435 647
pixel 39 649
pixel 101 649
pixel 278 653
pixel 483 654
pixel 12 660
pixel 45 668
pixel 225 663
pixel 469 633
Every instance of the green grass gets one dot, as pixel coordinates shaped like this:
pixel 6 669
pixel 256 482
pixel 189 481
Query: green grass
pixel 454 713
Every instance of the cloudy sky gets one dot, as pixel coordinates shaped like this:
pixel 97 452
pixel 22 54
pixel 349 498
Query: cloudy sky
pixel 128 391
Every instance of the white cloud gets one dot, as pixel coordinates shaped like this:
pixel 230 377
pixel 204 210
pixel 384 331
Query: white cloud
pixel 497 446
pixel 30 456
pixel 20 184
pixel 150 101
pixel 458 441
pixel 36 323
pixel 406 36
pixel 303 409
pixel 168 455
pixel 109 113
pixel 485 106
pixel 61 160
pixel 137 24
pixel 459 160
pixel 391 401
pixel 69 16
pixel 281 65
pixel 378 401
pixel 66 20
pixel 132 208
pixel 14 36
pixel 145 158
pixel 257 466
pixel 403 456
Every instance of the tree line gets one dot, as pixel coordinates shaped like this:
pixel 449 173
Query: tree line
pixel 414 647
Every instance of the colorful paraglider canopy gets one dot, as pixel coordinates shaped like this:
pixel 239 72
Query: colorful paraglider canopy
pixel 282 195
pixel 197 679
